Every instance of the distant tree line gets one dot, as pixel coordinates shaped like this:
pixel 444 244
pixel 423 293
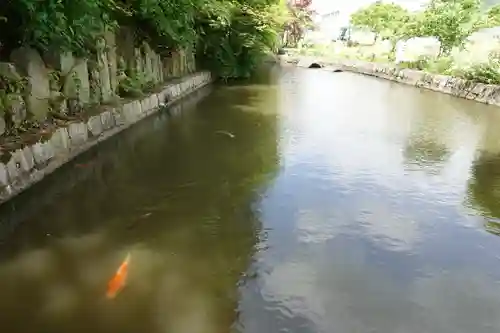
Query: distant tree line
pixel 229 36
pixel 451 21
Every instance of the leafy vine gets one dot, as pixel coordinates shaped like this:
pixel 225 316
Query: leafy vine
pixel 229 36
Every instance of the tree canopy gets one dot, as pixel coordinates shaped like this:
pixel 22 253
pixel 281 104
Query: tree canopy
pixel 493 16
pixel 229 35
pixel 385 19
pixel 298 21
pixel 450 21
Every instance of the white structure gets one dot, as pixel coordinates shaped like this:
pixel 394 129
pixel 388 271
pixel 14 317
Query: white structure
pixel 328 25
pixel 363 37
pixel 414 48
pixel 479 46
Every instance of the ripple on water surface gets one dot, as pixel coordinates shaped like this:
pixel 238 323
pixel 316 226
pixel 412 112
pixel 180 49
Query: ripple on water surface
pixel 339 203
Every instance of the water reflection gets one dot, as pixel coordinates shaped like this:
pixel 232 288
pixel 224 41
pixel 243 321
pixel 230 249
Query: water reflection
pixel 427 144
pixel 367 230
pixel 338 203
pixel 485 184
pixel 483 191
pixel 173 193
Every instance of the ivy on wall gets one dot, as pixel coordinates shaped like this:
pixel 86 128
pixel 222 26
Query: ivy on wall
pixel 229 36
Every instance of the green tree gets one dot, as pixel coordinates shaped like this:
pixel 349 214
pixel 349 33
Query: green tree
pixel 229 35
pixel 233 35
pixel 385 19
pixel 492 17
pixel 298 21
pixel 450 21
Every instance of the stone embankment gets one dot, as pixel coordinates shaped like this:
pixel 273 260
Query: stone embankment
pixel 29 164
pixel 484 93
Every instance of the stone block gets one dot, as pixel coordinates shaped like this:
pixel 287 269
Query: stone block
pixel 94 125
pixel 13 170
pixel 111 54
pixel 160 68
pixel 48 150
pixel 411 76
pixel 154 101
pixel 28 157
pixel 161 98
pixel 38 154
pixel 168 93
pixel 75 71
pixel 31 65
pixel 128 113
pixel 132 111
pixel 137 108
pixel 42 152
pixel 461 87
pixel 446 84
pixel 103 68
pixel 493 95
pixel 476 92
pixel 60 61
pixel 23 159
pixel 95 82
pixel 145 105
pixel 60 141
pixel 78 133
pixel 148 62
pixel 81 73
pixel 149 106
pixel 138 60
pixel 107 120
pixel 118 117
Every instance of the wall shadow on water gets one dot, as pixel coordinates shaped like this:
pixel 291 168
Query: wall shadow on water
pixel 176 192
pixel 98 163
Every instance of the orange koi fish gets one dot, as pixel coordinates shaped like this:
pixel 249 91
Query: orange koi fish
pixel 117 282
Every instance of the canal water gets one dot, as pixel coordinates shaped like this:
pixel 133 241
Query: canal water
pixel 303 201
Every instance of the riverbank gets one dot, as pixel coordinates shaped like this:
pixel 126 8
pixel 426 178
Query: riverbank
pixel 479 92
pixel 30 163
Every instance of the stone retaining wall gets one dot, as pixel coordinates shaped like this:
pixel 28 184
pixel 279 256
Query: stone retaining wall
pixel 30 164
pixel 35 85
pixel 484 93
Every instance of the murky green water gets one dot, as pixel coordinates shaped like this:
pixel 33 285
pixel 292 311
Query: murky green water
pixel 342 204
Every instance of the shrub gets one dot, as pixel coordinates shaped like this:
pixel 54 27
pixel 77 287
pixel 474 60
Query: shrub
pixel 441 65
pixel 230 36
pixel 488 73
pixel 420 64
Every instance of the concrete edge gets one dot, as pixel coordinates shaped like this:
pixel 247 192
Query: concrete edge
pixel 29 165
pixel 478 92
